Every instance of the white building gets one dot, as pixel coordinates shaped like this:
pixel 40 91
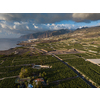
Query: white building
pixel 41 66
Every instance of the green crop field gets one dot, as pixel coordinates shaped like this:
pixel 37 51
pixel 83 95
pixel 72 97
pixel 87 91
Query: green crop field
pixel 92 71
pixel 57 72
pixel 8 83
pixel 0 61
pixel 74 83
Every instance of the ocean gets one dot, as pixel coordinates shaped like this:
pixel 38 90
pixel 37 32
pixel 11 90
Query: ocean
pixel 7 43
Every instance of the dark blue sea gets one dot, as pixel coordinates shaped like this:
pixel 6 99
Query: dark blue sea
pixel 7 43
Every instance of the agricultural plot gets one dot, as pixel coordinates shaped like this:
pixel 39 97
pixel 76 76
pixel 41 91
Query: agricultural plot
pixel 0 61
pixel 45 46
pixel 89 56
pixel 59 46
pixel 60 71
pixel 57 72
pixel 11 71
pixel 74 83
pixel 7 62
pixel 30 60
pixel 69 46
pixel 8 83
pixel 67 56
pixel 92 71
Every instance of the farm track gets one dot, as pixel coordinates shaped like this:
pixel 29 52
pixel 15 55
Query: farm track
pixel 8 77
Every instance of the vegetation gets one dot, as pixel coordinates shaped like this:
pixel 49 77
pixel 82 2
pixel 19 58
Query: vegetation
pixel 25 72
pixel 39 85
pixel 91 70
pixel 57 72
pixel 45 46
pixel 8 83
pixel 74 83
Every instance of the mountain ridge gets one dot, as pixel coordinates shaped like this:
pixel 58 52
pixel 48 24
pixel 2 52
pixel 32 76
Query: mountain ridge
pixel 46 34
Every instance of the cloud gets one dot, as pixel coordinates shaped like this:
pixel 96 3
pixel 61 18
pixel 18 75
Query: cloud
pixel 3 25
pixel 35 17
pixel 27 27
pixel 48 17
pixel 17 23
pixel 85 17
pixel 14 26
pixel 35 26
pixel 55 26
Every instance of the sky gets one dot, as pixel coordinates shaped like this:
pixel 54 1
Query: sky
pixel 13 25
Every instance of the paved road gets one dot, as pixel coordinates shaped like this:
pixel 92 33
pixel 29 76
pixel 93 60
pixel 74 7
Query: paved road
pixel 89 83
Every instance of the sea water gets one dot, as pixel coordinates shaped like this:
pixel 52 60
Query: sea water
pixel 7 43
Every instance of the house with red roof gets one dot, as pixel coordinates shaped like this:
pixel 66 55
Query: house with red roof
pixel 39 80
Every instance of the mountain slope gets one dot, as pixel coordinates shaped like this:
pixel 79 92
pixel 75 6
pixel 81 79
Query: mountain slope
pixel 87 32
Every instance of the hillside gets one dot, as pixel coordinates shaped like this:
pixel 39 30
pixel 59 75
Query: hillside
pixel 87 32
pixel 46 34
